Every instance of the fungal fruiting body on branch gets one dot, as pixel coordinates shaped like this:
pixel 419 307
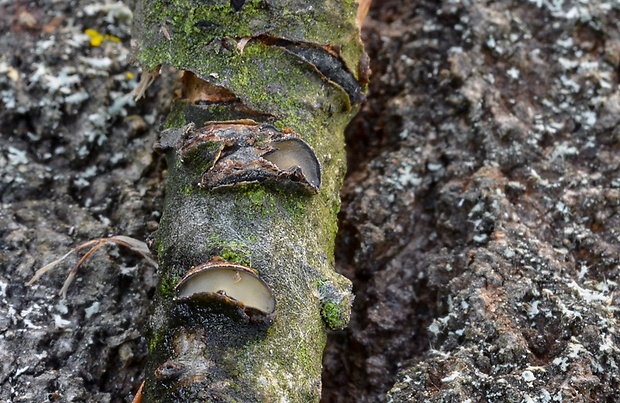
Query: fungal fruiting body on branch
pixel 255 153
pixel 242 152
pixel 236 287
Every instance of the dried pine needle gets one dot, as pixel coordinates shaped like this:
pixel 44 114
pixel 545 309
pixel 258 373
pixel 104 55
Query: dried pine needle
pixel 130 243
pixel 147 78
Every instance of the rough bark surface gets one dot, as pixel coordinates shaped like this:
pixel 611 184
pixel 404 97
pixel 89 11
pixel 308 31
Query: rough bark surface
pixel 496 282
pixel 76 164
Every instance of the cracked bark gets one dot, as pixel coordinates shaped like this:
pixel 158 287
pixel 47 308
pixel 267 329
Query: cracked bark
pixel 255 152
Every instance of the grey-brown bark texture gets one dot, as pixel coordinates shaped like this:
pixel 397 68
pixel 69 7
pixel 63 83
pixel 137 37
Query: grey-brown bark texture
pixel 499 281
pixel 76 164
pixel 496 282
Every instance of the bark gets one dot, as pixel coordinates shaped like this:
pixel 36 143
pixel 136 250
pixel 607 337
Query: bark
pixel 256 75
pixel 445 317
pixel 497 282
pixel 76 163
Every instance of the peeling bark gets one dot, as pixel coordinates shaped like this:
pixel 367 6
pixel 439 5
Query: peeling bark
pixel 255 152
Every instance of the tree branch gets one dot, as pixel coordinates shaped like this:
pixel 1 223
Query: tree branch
pixel 255 151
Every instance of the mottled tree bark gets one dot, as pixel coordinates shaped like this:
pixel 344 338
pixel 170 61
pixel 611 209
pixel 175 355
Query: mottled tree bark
pixel 255 152
pixel 497 281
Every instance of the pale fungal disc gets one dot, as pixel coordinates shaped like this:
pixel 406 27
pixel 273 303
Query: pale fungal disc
pixel 234 281
pixel 293 152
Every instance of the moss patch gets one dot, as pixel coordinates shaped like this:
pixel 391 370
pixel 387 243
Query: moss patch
pixel 322 23
pixel 305 360
pixel 176 117
pixel 155 339
pixel 257 200
pixel 167 284
pixel 333 316
pixel 235 254
pixel 202 157
pixel 231 251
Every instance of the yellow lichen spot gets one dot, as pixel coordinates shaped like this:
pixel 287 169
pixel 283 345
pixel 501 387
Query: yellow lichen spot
pixel 96 38
pixel 112 38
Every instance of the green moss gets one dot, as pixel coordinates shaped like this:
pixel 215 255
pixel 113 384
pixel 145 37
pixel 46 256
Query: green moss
pixel 189 189
pixel 231 251
pixel 304 358
pixel 166 286
pixel 332 314
pixel 155 340
pixel 267 79
pixel 318 283
pixel 256 196
pixel 211 22
pixel 257 201
pixel 296 208
pixel 176 117
pixel 161 249
pixel 235 255
pixel 202 157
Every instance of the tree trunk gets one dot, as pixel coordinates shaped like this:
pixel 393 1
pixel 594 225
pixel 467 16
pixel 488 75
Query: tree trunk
pixel 255 153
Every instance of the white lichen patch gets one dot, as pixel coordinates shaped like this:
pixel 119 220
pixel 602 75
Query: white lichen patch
pixel 513 73
pixel 528 376
pixel 61 323
pixel 52 91
pixel 99 63
pixel 77 98
pixel 17 156
pixel 563 150
pixel 92 310
pixel 115 12
pixel 453 376
pixel 64 82
pixel 591 296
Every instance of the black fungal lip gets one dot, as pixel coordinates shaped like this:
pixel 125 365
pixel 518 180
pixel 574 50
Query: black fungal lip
pixel 237 4
pixel 329 65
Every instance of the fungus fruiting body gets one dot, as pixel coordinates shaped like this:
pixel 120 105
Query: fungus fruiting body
pixel 244 152
pixel 293 152
pixel 230 284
